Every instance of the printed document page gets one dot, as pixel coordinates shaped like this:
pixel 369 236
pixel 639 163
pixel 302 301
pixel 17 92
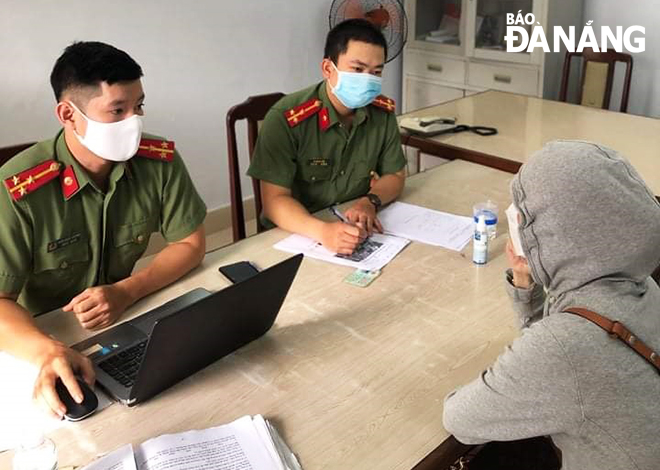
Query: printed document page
pixel 374 253
pixel 427 226
pixel 233 446
pixel 120 459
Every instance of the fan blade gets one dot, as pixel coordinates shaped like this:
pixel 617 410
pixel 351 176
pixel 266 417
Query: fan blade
pixel 379 17
pixel 353 9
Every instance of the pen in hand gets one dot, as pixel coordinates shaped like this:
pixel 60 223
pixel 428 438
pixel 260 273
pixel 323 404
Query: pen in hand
pixel 337 213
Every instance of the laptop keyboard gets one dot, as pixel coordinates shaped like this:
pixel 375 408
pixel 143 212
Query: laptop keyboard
pixel 123 367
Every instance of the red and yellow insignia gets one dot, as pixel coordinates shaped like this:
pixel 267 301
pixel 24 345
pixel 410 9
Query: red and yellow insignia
pixel 69 182
pixel 30 180
pixel 324 119
pixel 298 114
pixel 385 103
pixel 156 149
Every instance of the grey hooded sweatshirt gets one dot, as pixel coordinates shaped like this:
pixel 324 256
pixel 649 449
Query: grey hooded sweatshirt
pixel 591 235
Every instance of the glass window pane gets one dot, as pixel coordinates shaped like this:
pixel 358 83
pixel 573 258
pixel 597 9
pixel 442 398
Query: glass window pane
pixel 438 21
pixel 490 24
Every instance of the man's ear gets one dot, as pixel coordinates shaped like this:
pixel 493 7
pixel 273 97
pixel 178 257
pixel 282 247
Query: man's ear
pixel 64 113
pixel 327 68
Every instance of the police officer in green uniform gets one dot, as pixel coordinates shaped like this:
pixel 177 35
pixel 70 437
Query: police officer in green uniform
pixel 333 142
pixel 78 210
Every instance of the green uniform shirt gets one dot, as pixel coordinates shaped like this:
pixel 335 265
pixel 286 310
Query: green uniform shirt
pixel 325 167
pixel 52 248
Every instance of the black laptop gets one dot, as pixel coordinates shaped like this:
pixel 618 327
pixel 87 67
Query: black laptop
pixel 142 357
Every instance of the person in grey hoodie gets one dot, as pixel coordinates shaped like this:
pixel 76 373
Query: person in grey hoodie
pixel 590 232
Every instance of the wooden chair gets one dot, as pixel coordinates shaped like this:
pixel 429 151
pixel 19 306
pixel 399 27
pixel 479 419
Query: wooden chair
pixel 6 153
pixel 597 77
pixel 254 110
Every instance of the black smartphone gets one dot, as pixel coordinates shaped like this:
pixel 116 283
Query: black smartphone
pixel 240 271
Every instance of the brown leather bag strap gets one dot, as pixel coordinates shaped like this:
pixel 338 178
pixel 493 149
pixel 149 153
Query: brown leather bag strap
pixel 619 330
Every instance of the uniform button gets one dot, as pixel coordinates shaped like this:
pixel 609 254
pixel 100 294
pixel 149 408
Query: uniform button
pixel 342 172
pixel 140 239
pixel 313 178
pixel 64 265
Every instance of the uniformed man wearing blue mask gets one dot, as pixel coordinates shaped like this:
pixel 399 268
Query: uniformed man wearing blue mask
pixel 335 141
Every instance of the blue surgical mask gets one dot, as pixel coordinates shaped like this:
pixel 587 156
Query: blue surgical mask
pixel 355 90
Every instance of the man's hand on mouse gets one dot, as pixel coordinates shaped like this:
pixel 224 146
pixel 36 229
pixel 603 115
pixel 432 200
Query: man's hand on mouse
pixel 57 360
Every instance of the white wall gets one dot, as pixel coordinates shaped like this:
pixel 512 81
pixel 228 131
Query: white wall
pixel 645 83
pixel 199 58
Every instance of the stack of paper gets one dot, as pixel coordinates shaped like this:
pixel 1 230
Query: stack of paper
pixel 249 443
pixel 427 226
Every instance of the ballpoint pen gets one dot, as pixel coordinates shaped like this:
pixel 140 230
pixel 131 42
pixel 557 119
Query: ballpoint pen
pixel 337 213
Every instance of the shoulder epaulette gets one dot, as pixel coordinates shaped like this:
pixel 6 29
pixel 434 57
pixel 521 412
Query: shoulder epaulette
pixel 32 179
pixel 385 103
pixel 295 116
pixel 156 149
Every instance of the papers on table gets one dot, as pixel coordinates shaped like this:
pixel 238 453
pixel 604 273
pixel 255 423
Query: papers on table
pixel 374 253
pixel 427 226
pixel 121 459
pixel 249 443
pixel 402 222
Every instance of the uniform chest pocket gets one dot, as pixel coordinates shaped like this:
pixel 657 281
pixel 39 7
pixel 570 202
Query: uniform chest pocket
pixel 134 235
pixel 363 170
pixel 129 243
pixel 63 261
pixel 314 170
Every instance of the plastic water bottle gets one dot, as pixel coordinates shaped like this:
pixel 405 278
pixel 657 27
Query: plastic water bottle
pixel 36 453
pixel 480 242
pixel 489 210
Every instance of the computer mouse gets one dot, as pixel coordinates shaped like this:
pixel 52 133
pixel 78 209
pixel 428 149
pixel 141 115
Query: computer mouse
pixel 77 411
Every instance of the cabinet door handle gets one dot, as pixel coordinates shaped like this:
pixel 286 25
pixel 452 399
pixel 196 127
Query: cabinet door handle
pixel 434 67
pixel 502 78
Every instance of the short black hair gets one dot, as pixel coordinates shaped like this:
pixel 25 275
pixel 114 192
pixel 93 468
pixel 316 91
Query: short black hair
pixel 352 30
pixel 88 63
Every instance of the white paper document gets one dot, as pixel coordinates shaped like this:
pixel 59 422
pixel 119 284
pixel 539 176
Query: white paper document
pixel 120 459
pixel 236 445
pixel 249 443
pixel 374 253
pixel 427 225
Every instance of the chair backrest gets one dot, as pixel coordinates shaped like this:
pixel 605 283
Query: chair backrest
pixel 253 110
pixel 597 77
pixel 6 153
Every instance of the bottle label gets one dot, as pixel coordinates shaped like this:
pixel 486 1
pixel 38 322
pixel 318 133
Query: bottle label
pixel 480 248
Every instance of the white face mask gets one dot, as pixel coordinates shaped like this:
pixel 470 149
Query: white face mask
pixel 113 141
pixel 512 215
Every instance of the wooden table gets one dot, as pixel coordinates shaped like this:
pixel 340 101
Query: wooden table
pixel 526 123
pixel 353 377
